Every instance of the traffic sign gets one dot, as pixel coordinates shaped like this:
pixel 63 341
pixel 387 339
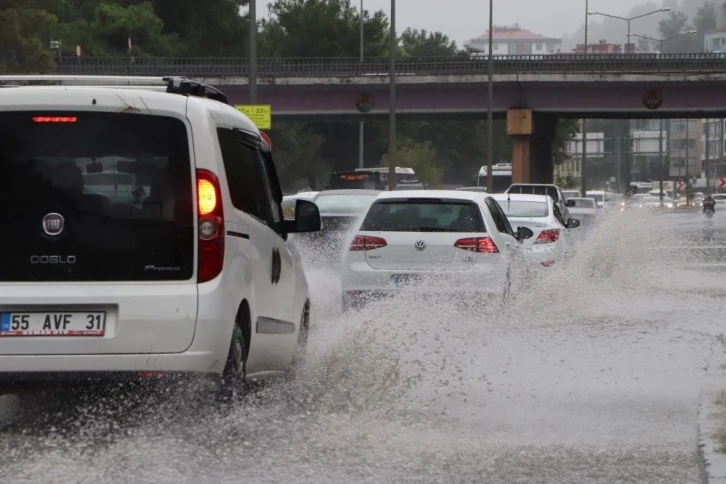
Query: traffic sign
pixel 721 182
pixel 260 114
pixel 679 185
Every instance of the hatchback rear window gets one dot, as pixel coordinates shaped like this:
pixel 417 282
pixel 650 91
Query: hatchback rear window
pixel 423 215
pixel 518 208
pixel 95 196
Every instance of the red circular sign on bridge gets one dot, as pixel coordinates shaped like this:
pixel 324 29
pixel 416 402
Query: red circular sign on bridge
pixel 653 98
pixel 364 102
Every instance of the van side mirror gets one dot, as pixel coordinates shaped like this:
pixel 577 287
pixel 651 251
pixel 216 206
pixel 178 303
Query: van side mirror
pixel 307 218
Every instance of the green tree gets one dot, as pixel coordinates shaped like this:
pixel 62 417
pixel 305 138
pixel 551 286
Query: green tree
pixel 24 38
pixel 419 156
pixel 704 21
pixel 674 25
pixel 420 43
pixel 322 28
pixel 297 150
pixel 566 130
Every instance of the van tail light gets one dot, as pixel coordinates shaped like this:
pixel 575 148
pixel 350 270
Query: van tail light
pixel 365 242
pixel 482 245
pixel 55 119
pixel 548 236
pixel 210 226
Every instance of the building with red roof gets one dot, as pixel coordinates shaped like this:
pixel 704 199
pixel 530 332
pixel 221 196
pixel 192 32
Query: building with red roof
pixel 514 40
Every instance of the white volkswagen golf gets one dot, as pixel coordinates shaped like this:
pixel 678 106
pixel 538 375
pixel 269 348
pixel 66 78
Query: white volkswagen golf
pixel 144 236
pixel 427 237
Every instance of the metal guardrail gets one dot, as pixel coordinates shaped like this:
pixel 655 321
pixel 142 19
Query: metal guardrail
pixel 353 67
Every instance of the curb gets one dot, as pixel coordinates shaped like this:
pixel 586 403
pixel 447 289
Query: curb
pixel 712 462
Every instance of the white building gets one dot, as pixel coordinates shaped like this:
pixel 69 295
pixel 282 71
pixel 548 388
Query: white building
pixel 514 41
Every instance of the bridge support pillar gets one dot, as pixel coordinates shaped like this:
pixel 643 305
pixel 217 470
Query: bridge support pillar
pixel 519 127
pixel 541 161
pixel 532 137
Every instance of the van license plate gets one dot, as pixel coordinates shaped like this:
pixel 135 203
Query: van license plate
pixel 72 323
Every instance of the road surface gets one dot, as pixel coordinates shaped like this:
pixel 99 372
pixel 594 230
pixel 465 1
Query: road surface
pixel 592 376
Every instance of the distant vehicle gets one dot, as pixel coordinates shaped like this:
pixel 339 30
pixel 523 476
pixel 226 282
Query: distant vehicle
pixel 355 180
pixel 540 214
pixel 402 174
pixel 654 203
pixel 584 209
pixel 473 189
pixel 543 189
pixel 339 211
pixel 502 177
pixel 419 237
pixel 571 194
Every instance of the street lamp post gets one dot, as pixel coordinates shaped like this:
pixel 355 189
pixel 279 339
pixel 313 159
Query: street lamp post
pixel 253 52
pixel 392 102
pixel 490 94
pixel 583 177
pixel 660 137
pixel 361 133
pixel 630 19
pixel 662 41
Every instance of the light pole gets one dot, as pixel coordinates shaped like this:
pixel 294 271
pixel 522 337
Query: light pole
pixel 360 123
pixel 392 101
pixel 630 19
pixel 662 41
pixel 490 94
pixel 660 137
pixel 583 178
pixel 253 52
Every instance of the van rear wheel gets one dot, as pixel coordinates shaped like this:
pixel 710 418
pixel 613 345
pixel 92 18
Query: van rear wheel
pixel 232 383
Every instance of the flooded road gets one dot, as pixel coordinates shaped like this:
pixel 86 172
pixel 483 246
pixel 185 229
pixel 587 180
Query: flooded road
pixel 590 376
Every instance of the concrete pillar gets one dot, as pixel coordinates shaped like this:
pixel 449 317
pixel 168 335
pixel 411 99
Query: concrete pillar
pixel 519 127
pixel 541 162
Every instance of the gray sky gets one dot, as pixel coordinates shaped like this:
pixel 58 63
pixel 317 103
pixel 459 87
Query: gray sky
pixel 464 19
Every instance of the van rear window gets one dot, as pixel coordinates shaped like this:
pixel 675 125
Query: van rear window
pixel 94 196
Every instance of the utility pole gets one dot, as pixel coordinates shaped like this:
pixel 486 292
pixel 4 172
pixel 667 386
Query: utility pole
pixel 253 52
pixel 583 163
pixel 490 112
pixel 361 132
pixel 660 151
pixel 392 102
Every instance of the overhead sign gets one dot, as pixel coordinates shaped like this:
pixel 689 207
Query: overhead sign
pixel 721 182
pixel 260 114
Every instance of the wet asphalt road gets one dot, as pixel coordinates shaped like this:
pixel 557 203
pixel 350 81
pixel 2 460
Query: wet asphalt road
pixel 591 376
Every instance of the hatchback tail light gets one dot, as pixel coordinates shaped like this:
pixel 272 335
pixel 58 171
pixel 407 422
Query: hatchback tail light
pixel 210 226
pixel 365 242
pixel 483 245
pixel 548 236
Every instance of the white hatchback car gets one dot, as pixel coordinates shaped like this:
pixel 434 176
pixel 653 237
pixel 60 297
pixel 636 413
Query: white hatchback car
pixel 425 237
pixel 147 236
pixel 542 215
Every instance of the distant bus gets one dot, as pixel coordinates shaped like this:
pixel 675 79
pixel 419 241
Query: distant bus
pixel 347 180
pixel 402 174
pixel 502 177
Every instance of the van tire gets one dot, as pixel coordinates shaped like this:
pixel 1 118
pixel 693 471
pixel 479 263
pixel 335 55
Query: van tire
pixel 232 382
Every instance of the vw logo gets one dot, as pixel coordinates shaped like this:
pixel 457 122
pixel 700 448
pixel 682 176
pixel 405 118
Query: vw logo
pixel 419 245
pixel 53 224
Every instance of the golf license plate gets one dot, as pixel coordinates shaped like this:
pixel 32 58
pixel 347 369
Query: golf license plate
pixel 52 323
pixel 400 280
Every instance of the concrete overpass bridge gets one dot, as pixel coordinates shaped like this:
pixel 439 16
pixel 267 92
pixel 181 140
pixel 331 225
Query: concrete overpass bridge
pixel 535 89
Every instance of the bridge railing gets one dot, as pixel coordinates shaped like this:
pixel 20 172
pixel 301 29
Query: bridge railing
pixel 353 67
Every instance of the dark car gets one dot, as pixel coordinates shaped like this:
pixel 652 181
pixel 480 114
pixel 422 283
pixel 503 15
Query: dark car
pixel 340 210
